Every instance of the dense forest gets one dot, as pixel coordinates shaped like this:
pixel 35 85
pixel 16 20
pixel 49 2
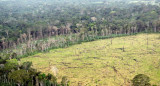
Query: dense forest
pixel 23 21
pixel 31 26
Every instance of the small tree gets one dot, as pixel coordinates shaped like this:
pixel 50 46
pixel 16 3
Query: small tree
pixel 34 77
pixel 52 78
pixel 64 81
pixel 11 65
pixel 41 78
pixel 141 80
pixel 26 65
pixel 14 55
pixel 19 76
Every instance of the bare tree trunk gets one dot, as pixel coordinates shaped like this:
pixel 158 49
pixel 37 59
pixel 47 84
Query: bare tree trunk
pixel 10 57
pixel 40 33
pixel 106 33
pixel 111 40
pixel 123 48
pixel 29 34
pixel 102 32
pixel 155 29
pixel 21 38
pixel 41 83
pixel 37 82
pixel 147 41
pixel 18 84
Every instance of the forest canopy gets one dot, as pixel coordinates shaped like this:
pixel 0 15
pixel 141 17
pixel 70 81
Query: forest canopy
pixel 23 20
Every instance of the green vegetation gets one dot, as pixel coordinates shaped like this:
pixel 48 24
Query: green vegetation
pixel 108 62
pixel 141 80
pixel 13 73
pixel 79 42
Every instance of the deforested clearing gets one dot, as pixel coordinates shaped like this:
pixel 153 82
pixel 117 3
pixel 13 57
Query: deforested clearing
pixel 107 62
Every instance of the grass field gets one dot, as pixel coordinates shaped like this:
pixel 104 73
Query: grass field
pixel 104 63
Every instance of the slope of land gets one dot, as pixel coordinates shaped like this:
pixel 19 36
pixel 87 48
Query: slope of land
pixel 109 62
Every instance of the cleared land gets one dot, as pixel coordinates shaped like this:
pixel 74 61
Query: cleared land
pixel 102 63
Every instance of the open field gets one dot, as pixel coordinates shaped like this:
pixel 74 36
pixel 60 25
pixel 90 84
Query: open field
pixel 104 63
